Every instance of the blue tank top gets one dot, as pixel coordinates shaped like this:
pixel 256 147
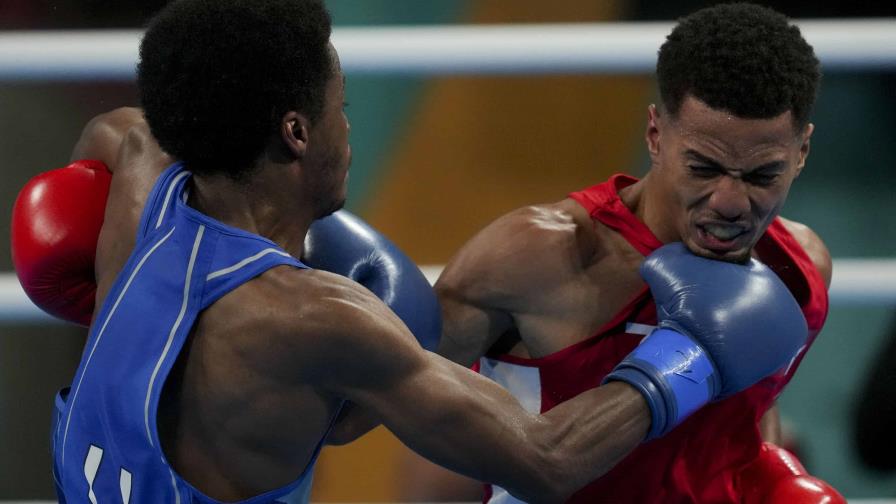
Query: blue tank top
pixel 105 444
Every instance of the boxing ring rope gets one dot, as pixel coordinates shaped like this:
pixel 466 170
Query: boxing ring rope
pixel 856 282
pixel 612 48
pixel 617 47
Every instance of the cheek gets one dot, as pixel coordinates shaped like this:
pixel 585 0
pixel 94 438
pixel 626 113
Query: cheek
pixel 686 204
pixel 767 202
pixel 692 191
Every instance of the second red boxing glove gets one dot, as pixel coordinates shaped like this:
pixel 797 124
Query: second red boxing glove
pixel 56 223
pixel 777 477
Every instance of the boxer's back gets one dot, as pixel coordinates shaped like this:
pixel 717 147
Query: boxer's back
pixel 217 428
pixel 228 426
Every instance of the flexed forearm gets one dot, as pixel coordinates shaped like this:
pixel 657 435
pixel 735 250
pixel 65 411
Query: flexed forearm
pixel 589 434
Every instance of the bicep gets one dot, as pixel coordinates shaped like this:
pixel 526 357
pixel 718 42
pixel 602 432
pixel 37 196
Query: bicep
pixel 453 417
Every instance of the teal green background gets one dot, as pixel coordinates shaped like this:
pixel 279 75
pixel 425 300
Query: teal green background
pixel 379 106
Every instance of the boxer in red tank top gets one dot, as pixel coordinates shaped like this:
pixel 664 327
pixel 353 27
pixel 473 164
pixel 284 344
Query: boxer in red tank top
pixel 547 299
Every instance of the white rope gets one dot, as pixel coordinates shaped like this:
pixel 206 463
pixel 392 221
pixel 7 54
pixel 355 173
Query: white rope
pixel 619 47
pixel 857 282
pixel 864 282
pixel 15 307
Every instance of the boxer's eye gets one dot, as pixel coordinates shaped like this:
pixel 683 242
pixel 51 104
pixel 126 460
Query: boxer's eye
pixel 704 171
pixel 761 179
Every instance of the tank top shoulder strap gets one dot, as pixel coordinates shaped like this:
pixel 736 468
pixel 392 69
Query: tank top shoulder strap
pixel 238 259
pixel 167 189
pixel 604 205
pixel 238 255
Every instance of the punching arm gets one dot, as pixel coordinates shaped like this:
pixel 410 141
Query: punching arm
pixel 344 244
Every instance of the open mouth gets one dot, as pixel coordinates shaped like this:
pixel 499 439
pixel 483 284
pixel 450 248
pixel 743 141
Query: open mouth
pixel 720 238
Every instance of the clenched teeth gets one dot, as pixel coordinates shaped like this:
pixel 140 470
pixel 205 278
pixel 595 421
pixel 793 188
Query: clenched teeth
pixel 723 232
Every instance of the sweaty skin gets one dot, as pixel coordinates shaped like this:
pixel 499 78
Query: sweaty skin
pixel 267 365
pixel 708 169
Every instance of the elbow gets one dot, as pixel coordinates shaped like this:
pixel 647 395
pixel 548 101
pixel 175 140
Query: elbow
pixel 113 123
pixel 101 137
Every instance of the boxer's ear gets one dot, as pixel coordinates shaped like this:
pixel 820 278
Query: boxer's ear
pixel 804 137
pixel 652 131
pixel 294 128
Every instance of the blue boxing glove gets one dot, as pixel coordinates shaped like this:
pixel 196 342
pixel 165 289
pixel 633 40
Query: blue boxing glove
pixel 344 244
pixel 722 328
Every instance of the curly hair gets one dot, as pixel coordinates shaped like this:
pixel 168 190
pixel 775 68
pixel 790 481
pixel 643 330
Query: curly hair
pixel 742 58
pixel 216 76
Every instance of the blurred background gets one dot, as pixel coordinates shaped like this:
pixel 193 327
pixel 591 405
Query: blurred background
pixel 435 159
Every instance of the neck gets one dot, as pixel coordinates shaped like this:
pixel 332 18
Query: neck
pixel 266 205
pixel 648 207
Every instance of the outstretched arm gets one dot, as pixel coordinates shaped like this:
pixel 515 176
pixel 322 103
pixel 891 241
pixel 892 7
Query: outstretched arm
pixel 464 421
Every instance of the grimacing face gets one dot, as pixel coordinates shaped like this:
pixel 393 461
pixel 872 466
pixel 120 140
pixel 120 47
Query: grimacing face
pixel 719 180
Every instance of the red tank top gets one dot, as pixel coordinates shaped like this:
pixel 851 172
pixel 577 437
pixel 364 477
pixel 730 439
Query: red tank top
pixel 698 460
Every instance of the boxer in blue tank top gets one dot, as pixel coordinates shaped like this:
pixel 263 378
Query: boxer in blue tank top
pixel 105 440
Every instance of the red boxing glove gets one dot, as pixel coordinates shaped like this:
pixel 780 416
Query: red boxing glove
pixel 56 223
pixel 777 477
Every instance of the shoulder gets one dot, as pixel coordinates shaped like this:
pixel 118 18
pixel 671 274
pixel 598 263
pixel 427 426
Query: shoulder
pixel 531 246
pixel 813 246
pixel 315 301
pixel 310 321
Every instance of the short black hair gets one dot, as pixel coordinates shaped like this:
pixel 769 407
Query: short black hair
pixel 216 76
pixel 740 57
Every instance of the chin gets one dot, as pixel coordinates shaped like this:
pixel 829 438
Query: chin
pixel 739 256
pixel 331 208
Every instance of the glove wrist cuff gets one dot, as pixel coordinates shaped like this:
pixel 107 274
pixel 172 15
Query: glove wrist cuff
pixel 673 373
